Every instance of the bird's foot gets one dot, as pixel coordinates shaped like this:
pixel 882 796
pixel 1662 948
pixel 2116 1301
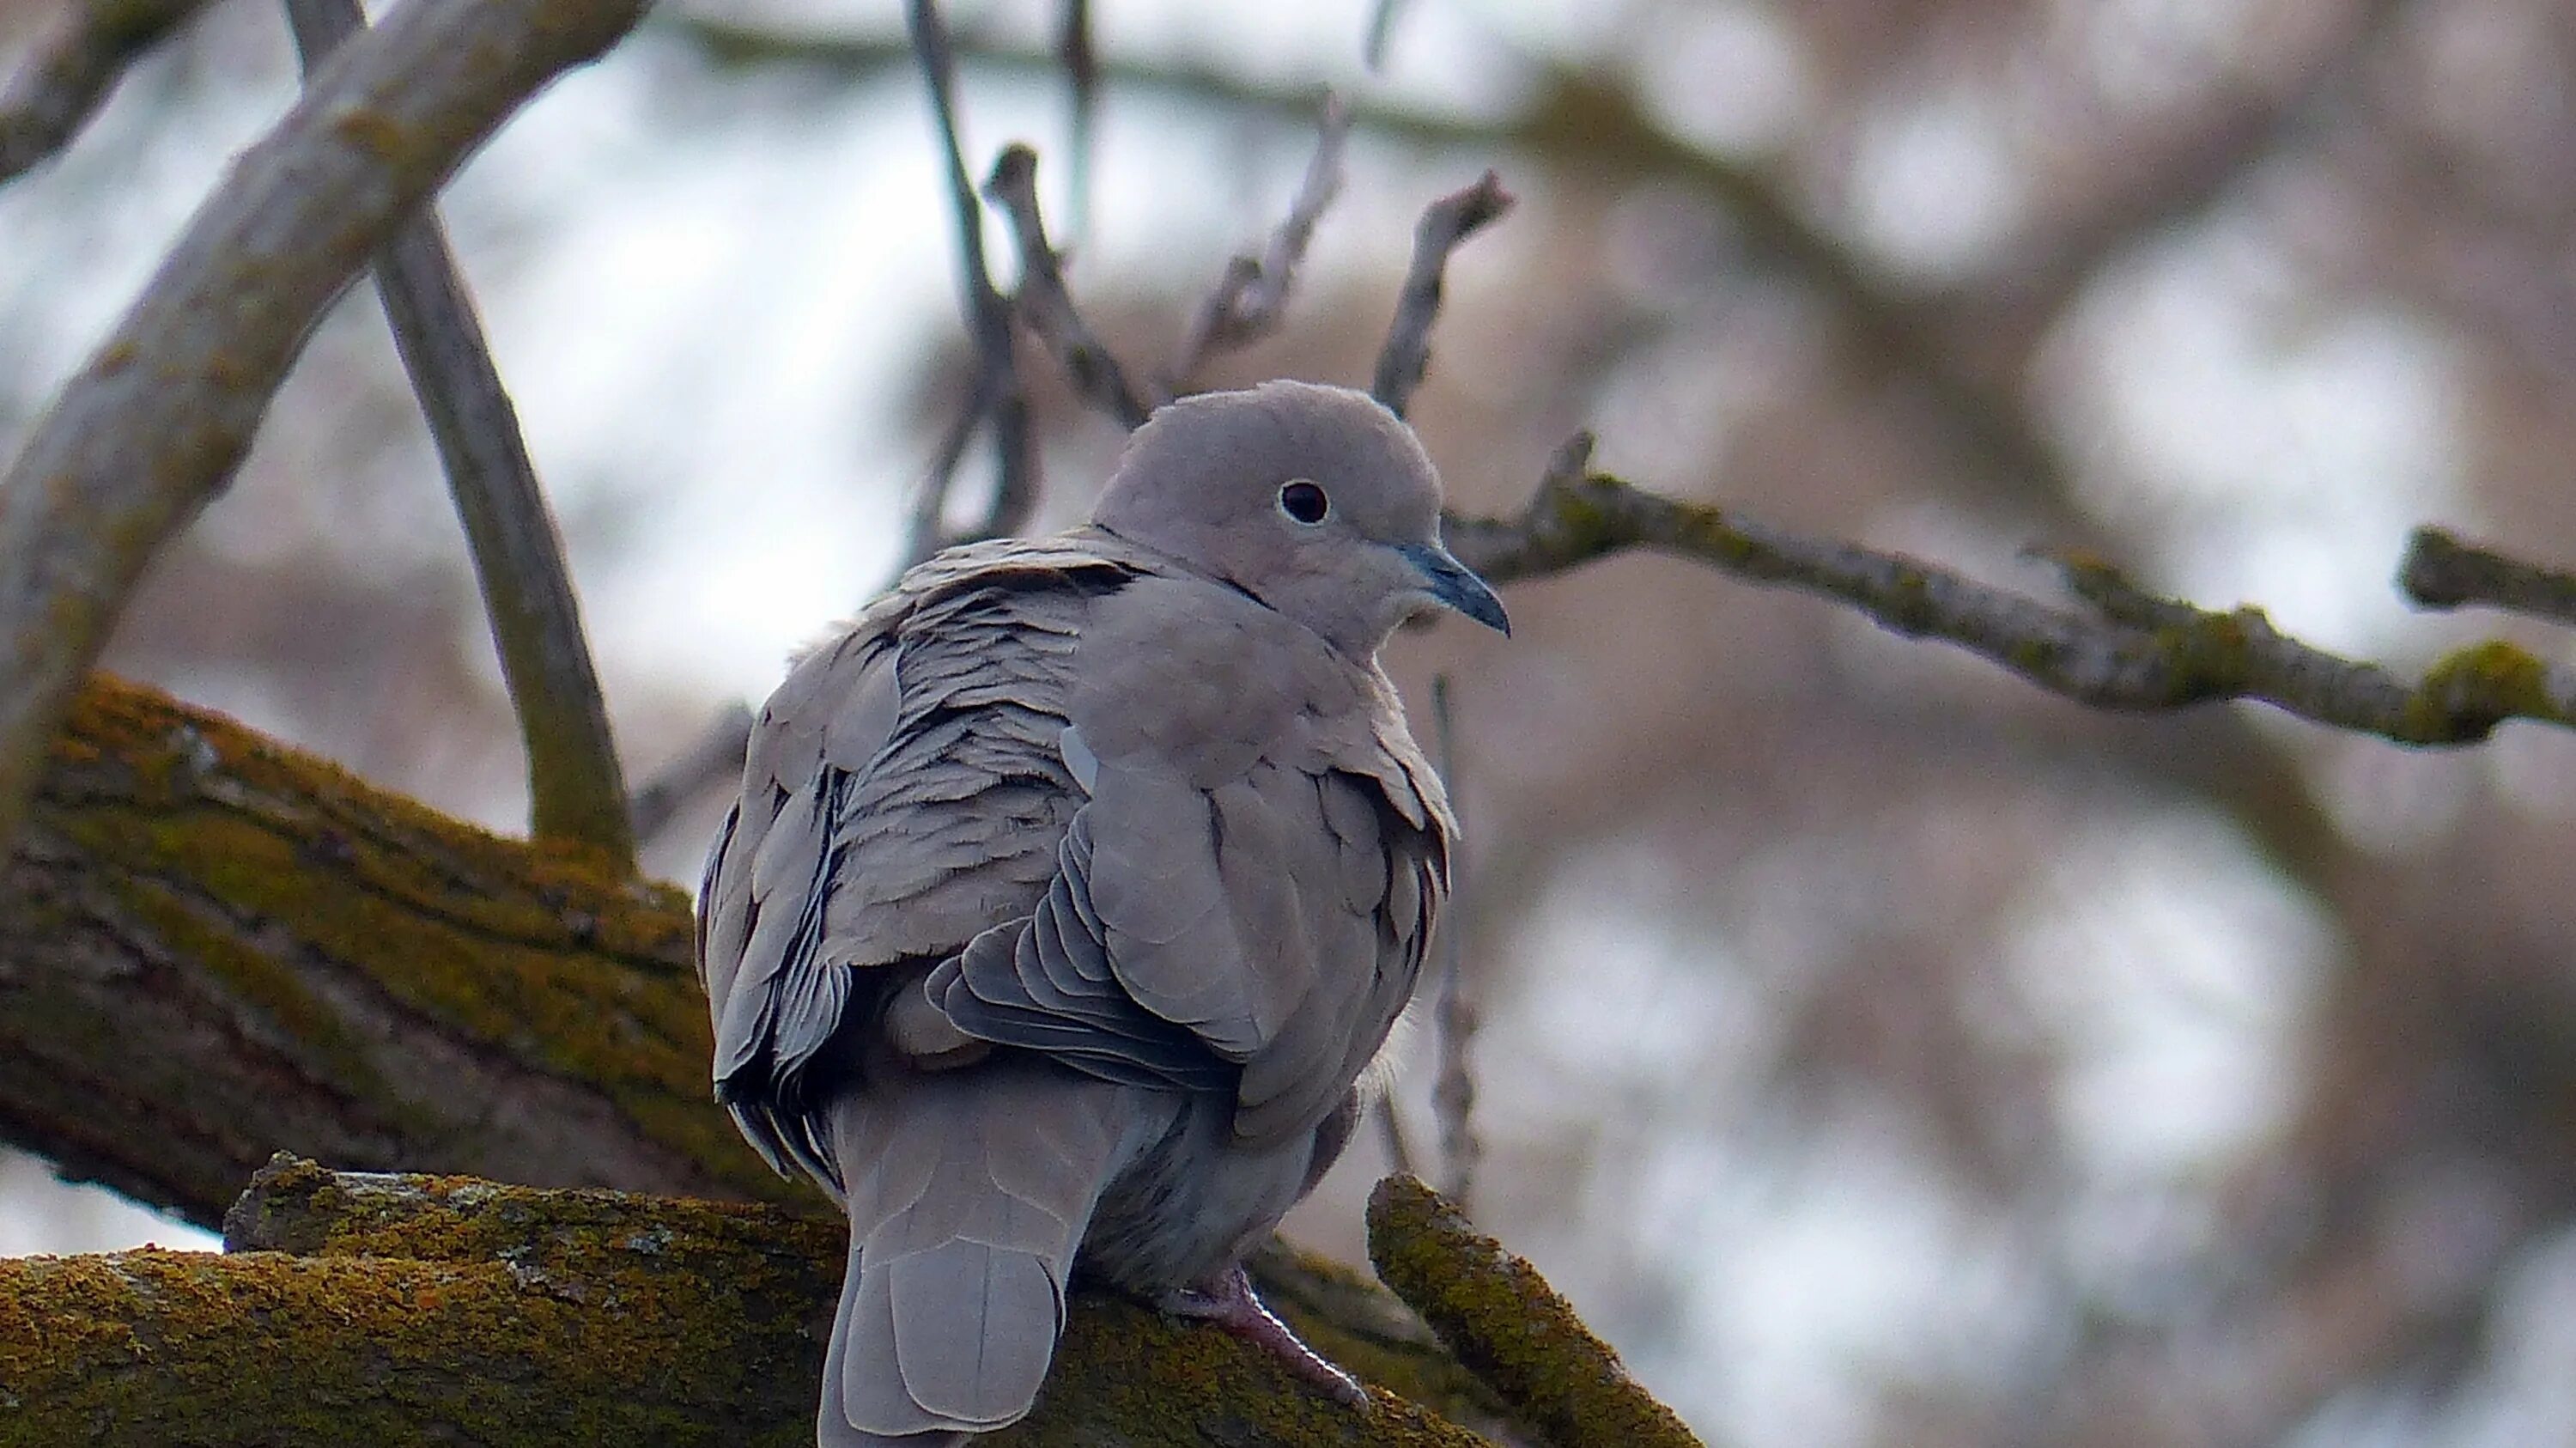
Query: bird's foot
pixel 1227 1300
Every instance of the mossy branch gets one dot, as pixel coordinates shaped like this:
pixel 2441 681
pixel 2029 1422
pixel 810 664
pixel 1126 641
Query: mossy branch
pixel 212 946
pixel 2125 649
pixel 1509 1327
pixel 367 1310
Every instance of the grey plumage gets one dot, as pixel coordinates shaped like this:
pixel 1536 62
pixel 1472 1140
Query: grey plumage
pixel 1073 886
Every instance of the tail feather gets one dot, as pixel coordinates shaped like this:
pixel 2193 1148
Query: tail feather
pixel 968 1194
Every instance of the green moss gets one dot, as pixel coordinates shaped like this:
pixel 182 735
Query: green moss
pixel 2469 691
pixel 1506 1324
pixel 545 952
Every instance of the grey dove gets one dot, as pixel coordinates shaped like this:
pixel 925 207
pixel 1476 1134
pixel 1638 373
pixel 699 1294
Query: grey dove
pixel 1073 888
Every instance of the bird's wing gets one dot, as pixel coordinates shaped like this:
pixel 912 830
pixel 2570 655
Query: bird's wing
pixel 905 789
pixel 1247 896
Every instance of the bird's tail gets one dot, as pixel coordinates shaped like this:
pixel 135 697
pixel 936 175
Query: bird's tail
pixel 968 1192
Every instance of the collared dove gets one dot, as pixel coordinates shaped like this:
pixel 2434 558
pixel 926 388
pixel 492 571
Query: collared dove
pixel 1073 888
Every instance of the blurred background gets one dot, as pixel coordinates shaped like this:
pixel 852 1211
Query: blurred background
pixel 1878 1050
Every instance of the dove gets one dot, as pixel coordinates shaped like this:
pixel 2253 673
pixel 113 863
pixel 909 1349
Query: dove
pixel 1073 888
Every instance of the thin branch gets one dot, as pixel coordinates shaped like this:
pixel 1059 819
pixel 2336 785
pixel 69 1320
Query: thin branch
pixel 1251 298
pixel 1381 28
pixel 576 791
pixel 2440 571
pixel 70 70
pixel 1044 305
pixel 1589 124
pixel 1390 1134
pixel 1000 401
pixel 155 424
pixel 2131 651
pixel 1082 75
pixel 715 757
pixel 1445 223
pixel 1453 1091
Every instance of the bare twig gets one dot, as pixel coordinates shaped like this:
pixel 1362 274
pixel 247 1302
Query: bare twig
pixel 1453 1092
pixel 2440 571
pixel 999 399
pixel 576 792
pixel 2132 651
pixel 155 424
pixel 1381 26
pixel 70 70
pixel 716 757
pixel 1252 296
pixel 1082 74
pixel 1445 223
pixel 1044 305
pixel 1390 1134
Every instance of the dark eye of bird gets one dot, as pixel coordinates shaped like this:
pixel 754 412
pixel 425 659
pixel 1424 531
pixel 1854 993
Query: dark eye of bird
pixel 1304 502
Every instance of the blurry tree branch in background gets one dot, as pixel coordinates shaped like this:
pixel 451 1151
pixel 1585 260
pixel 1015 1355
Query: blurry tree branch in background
pixel 71 68
pixel 153 427
pixel 1081 62
pixel 2440 571
pixel 1445 223
pixel 997 400
pixel 1251 297
pixel 715 758
pixel 576 792
pixel 1044 306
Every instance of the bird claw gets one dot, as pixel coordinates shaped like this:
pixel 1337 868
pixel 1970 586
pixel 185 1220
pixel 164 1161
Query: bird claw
pixel 1229 1302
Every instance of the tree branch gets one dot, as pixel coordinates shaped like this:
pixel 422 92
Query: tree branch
pixel 212 946
pixel 716 757
pixel 575 790
pixel 352 1309
pixel 154 426
pixel 1042 302
pixel 998 398
pixel 70 70
pixel 2134 652
pixel 2440 571
pixel 1509 1327
pixel 1445 223
pixel 1251 298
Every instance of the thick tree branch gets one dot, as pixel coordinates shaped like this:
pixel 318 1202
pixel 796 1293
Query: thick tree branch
pixel 70 69
pixel 1445 223
pixel 1043 303
pixel 575 790
pixel 212 947
pixel 153 427
pixel 2134 651
pixel 353 1309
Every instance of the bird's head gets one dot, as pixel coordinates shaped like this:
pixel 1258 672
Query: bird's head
pixel 1315 500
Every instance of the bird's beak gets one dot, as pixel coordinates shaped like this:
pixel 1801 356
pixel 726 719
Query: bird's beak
pixel 1456 587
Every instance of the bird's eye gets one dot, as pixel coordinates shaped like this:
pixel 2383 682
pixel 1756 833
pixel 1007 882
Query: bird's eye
pixel 1304 502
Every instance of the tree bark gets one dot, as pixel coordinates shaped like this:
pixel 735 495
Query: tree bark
pixel 213 947
pixel 369 1310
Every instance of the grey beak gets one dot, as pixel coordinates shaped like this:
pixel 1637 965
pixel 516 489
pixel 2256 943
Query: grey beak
pixel 1456 587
